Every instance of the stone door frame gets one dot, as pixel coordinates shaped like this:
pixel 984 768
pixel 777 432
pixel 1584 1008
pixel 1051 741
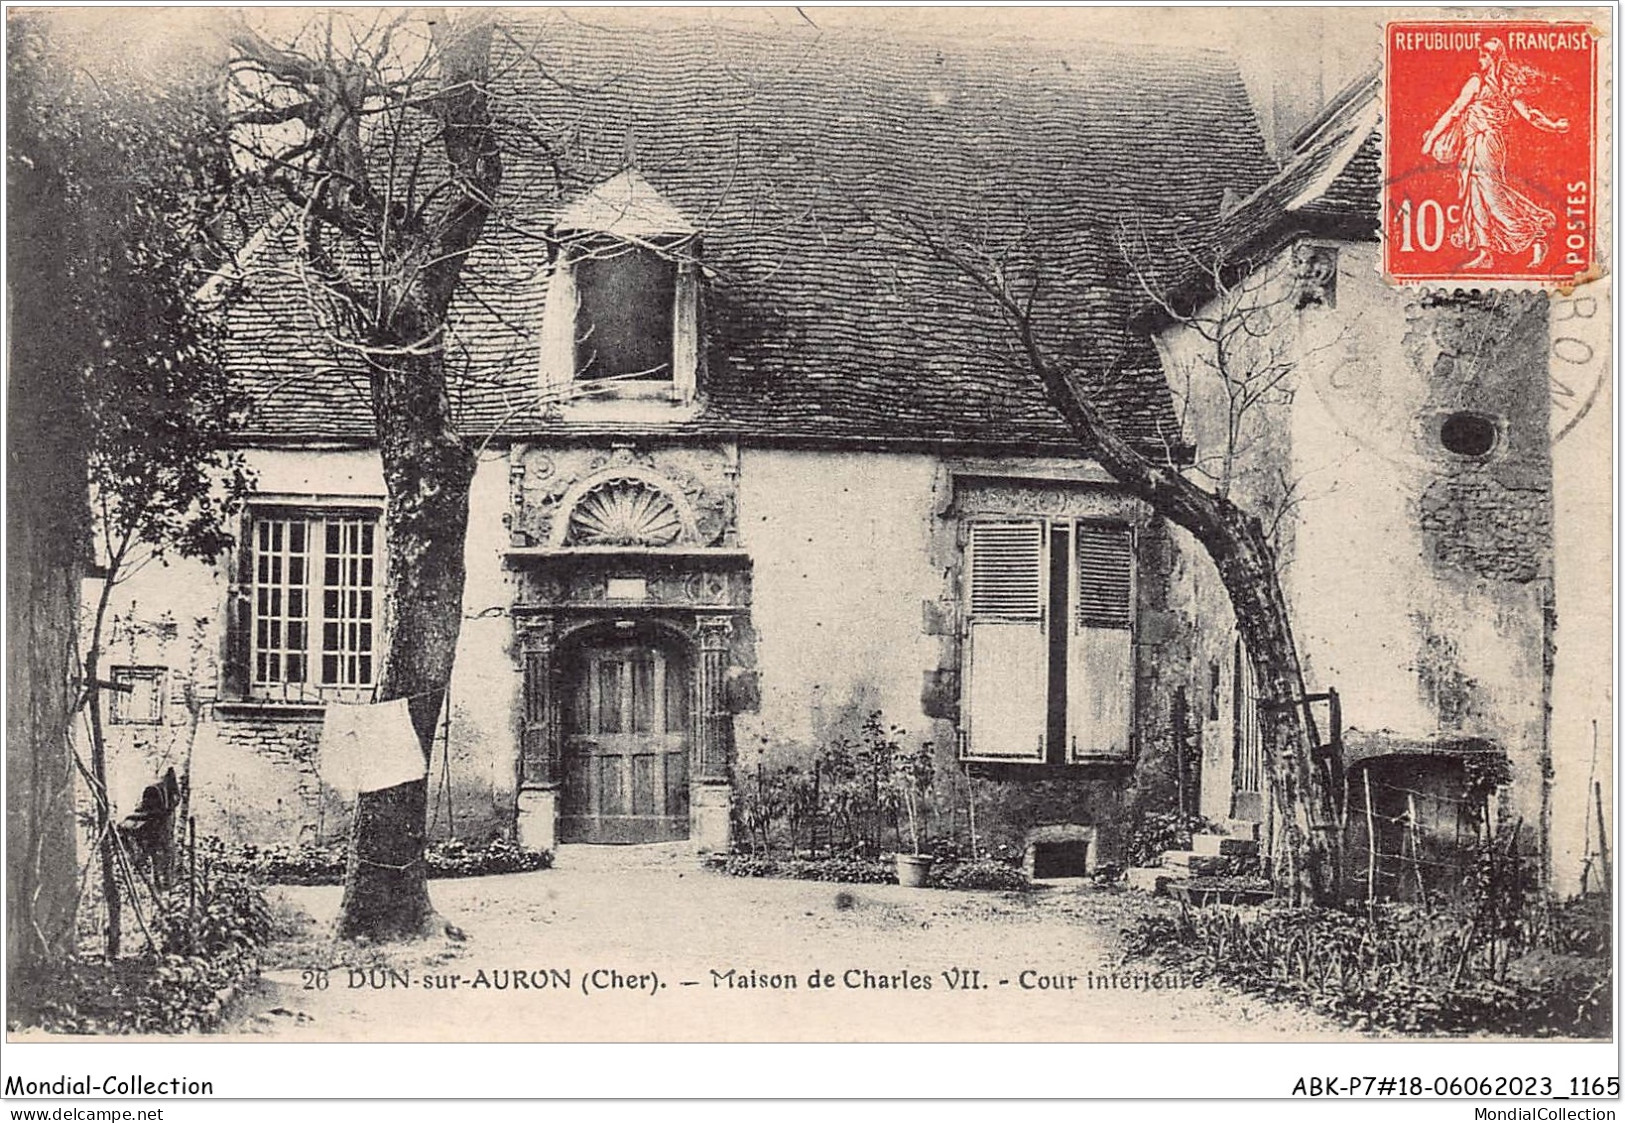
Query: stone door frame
pixel 545 635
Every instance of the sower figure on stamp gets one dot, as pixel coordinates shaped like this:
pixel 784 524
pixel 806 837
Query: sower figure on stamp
pixel 1472 134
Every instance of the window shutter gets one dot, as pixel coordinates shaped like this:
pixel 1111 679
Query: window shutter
pixel 1105 576
pixel 1007 571
pixel 235 666
pixel 1007 653
pixel 1100 656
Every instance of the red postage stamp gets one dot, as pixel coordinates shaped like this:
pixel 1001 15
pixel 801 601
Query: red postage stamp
pixel 1490 151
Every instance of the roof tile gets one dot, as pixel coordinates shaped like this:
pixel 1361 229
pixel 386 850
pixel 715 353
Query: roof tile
pixel 802 159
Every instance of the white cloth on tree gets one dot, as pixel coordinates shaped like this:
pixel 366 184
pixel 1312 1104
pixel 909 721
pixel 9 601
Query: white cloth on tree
pixel 370 747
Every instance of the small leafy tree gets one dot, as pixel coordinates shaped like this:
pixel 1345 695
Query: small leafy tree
pixel 911 780
pixel 143 167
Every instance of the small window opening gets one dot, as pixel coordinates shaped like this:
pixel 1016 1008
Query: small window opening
pixel 624 317
pixel 1468 434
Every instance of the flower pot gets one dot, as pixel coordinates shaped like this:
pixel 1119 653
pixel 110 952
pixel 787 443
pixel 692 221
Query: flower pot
pixel 912 870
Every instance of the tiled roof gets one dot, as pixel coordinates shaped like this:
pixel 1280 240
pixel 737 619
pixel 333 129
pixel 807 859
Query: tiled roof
pixel 799 155
pixel 1330 186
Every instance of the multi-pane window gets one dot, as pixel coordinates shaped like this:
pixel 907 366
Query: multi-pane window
pixel 1049 657
pixel 314 602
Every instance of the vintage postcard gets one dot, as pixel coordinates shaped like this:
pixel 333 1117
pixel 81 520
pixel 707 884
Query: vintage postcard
pixel 569 525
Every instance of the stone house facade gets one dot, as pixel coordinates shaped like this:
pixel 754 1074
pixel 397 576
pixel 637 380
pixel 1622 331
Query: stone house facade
pixel 751 469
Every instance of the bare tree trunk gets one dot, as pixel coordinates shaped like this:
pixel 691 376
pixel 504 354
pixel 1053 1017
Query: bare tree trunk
pixel 46 544
pixel 1236 543
pixel 45 562
pixel 428 471
pixel 415 243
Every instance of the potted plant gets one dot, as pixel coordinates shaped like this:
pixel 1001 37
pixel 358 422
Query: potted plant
pixel 911 777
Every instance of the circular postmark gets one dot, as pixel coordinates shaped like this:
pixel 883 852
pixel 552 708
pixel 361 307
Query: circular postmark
pixel 1578 368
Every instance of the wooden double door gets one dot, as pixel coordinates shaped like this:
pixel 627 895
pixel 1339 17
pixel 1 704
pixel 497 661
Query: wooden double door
pixel 627 709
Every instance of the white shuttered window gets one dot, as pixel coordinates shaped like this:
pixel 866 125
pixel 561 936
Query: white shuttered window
pixel 1012 658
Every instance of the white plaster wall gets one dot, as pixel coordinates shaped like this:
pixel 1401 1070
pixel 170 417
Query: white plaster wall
pixel 338 472
pixel 839 553
pixel 258 794
pixel 193 593
pixel 1583 674
pixel 1365 590
pixel 485 681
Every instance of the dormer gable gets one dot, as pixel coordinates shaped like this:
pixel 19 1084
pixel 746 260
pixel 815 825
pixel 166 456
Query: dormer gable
pixel 624 206
pixel 620 321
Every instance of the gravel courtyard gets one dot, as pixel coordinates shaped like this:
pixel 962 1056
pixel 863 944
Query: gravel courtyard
pixel 607 948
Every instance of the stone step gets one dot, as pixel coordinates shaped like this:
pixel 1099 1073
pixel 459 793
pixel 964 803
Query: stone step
pixel 1242 828
pixel 638 856
pixel 1149 879
pixel 1191 863
pixel 1224 845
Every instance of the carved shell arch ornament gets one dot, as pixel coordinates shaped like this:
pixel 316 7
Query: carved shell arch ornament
pixel 624 506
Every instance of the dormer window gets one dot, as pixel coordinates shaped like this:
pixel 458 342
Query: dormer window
pixel 625 298
pixel 622 310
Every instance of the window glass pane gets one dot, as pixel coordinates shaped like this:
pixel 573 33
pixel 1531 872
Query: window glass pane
pixel 624 313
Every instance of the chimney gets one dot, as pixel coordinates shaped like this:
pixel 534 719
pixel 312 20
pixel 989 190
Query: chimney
pixel 1294 60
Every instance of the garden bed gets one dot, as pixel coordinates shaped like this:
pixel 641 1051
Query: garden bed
pixel 324 865
pixel 1402 968
pixel 207 946
pixel 980 873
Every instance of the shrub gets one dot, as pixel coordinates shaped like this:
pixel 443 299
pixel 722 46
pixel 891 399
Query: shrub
pixel 980 873
pixel 1156 831
pixel 1402 967
pixel 853 868
pixel 856 868
pixel 857 795
pixel 209 934
pixel 455 858
pixel 1580 926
